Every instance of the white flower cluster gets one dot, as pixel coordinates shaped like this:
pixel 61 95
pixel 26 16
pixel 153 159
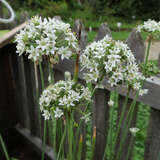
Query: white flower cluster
pixel 113 60
pixel 50 37
pixel 62 96
pixel 150 26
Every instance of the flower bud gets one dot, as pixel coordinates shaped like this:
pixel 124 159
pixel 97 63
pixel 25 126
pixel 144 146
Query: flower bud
pixel 67 75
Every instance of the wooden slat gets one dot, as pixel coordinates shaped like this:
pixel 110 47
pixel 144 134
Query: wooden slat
pixel 35 143
pixel 100 121
pixel 31 96
pixel 22 93
pixel 152 146
pixel 10 35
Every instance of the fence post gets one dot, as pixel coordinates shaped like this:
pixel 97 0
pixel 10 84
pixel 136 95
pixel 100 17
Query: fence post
pixel 100 121
pixel 103 31
pixel 152 147
pixel 83 38
pixel 136 45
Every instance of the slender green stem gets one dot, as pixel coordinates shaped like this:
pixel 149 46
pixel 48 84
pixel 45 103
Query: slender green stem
pixel 79 155
pixel 148 50
pixel 93 143
pixel 4 148
pixel 111 127
pixel 37 97
pixel 54 121
pixel 41 74
pixel 62 142
pixel 130 148
pixel 70 136
pixel 121 119
pixel 76 69
pixel 44 139
pixel 45 123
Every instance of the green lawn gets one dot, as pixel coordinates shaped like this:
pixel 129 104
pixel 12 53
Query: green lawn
pixel 122 35
pixel 3 32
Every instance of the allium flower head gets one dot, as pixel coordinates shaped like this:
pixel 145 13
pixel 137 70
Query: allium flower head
pixel 50 37
pixel 150 26
pixel 113 60
pixel 61 97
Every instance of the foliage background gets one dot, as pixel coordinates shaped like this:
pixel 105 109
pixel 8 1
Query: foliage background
pixel 142 9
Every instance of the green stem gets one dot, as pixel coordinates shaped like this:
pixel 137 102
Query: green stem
pixel 93 143
pixel 62 142
pixel 44 139
pixel 79 155
pixel 111 127
pixel 4 148
pixel 70 136
pixel 54 133
pixel 76 69
pixel 126 127
pixel 41 74
pixel 130 148
pixel 37 97
pixel 45 123
pixel 121 119
pixel 147 53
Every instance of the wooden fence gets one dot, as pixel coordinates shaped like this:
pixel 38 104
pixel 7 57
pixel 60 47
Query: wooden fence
pixel 25 85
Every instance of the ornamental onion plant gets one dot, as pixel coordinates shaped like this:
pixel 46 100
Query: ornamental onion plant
pixel 59 102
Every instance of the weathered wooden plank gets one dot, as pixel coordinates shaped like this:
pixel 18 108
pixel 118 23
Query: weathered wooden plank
pixel 100 121
pixel 22 93
pixel 136 45
pixel 10 35
pixel 31 96
pixel 7 100
pixel 152 147
pixel 83 37
pixel 103 31
pixel 35 143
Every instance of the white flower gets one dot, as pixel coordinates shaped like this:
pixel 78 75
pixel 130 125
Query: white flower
pixel 143 91
pixel 111 103
pixel 67 75
pixel 49 37
pixel 46 115
pixel 112 60
pixel 86 117
pixel 119 24
pixel 63 96
pixel 134 130
pixel 58 113
pixel 150 26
